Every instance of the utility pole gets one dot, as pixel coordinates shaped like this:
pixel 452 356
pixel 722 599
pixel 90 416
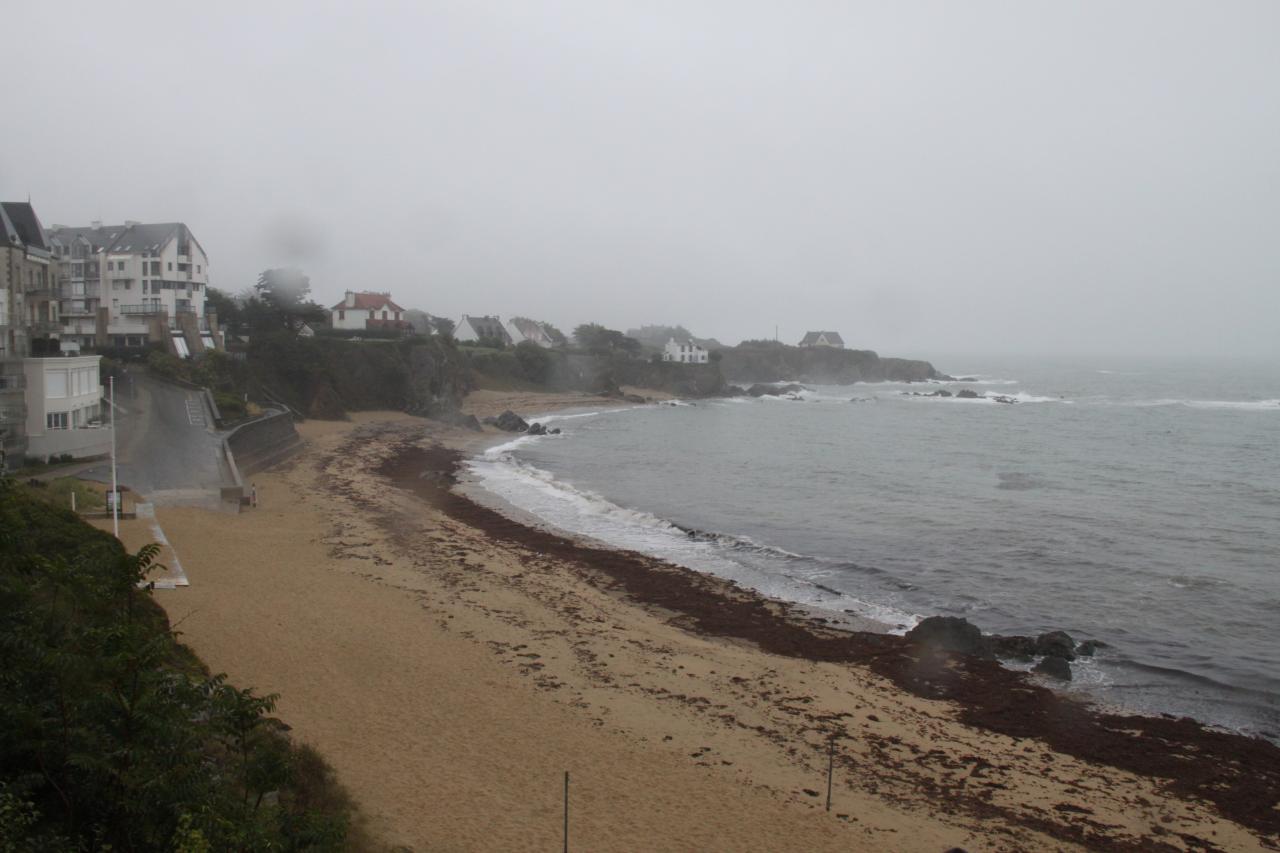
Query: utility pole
pixel 115 486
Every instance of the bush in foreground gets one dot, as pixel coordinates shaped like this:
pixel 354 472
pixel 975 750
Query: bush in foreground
pixel 112 734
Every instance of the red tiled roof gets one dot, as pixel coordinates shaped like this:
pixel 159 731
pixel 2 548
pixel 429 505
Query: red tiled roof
pixel 376 301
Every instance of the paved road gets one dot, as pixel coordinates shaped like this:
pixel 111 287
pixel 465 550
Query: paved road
pixel 166 447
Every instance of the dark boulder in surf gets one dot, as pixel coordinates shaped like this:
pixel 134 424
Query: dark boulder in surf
pixel 537 429
pixel 1054 667
pixel 1016 648
pixel 1056 644
pixel 762 390
pixel 510 422
pixel 967 394
pixel 950 633
pixel 1088 647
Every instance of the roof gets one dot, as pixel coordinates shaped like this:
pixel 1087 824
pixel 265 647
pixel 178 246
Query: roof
pixel 19 226
pixel 811 338
pixel 485 327
pixel 366 300
pixel 133 237
pixel 683 341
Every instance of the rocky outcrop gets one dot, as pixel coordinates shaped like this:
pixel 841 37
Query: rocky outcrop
pixel 967 394
pixel 509 421
pixel 768 361
pixel 1055 649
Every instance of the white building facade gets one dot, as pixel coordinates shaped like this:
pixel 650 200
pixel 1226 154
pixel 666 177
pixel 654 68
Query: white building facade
pixel 64 407
pixel 366 310
pixel 685 352
pixel 126 285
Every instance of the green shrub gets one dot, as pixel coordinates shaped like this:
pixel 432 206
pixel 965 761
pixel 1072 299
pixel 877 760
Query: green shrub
pixel 112 734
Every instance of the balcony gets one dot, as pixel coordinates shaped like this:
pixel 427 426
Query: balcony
pixel 141 310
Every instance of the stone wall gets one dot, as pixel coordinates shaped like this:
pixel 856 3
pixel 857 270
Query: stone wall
pixel 261 443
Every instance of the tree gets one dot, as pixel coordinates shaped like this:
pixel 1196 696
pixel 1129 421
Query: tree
pixel 227 307
pixel 284 294
pixel 598 339
pixel 535 362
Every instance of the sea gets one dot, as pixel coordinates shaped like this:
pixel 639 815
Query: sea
pixel 1135 504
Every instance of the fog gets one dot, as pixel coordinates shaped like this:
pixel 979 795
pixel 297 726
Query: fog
pixel 1094 179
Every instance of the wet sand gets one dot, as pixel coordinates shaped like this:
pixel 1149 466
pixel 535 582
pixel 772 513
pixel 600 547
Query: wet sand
pixel 452 664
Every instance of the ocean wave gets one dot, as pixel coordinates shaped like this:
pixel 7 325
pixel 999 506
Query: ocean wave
pixel 1236 405
pixel 774 572
pixel 1016 396
pixel 974 379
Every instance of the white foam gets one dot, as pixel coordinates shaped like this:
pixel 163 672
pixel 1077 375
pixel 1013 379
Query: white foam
pixel 1235 405
pixel 1017 396
pixel 585 513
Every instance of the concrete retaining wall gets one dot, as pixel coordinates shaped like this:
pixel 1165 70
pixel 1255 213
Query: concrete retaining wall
pixel 261 443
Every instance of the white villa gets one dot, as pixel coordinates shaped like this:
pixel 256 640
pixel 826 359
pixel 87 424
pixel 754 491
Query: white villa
pixel 367 310
pixel 822 339
pixel 686 352
pixel 474 329
pixel 520 330
pixel 64 407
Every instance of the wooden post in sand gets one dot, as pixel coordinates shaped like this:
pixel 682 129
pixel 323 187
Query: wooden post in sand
pixel 831 766
pixel 566 811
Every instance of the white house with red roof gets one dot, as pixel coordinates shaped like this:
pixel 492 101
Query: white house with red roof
pixel 365 310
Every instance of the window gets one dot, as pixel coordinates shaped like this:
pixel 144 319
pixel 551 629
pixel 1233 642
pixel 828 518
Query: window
pixel 198 268
pixel 56 420
pixel 170 266
pixel 155 268
pixel 384 315
pixel 342 315
pixel 55 384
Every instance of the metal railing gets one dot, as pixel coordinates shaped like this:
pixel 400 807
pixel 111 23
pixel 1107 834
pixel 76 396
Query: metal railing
pixel 141 309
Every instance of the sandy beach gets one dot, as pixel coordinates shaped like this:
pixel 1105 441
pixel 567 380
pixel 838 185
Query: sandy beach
pixel 453 664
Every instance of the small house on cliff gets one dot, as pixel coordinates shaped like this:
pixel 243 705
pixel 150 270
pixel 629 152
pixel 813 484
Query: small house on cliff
pixel 368 311
pixel 685 352
pixel 477 329
pixel 822 339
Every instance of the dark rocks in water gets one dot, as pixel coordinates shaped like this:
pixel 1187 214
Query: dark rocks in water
pixel 942 392
pixel 952 634
pixel 762 390
pixel 1001 398
pixel 735 391
pixel 509 421
pixel 1017 648
pixel 966 379
pixel 537 429
pixel 1054 667
pixel 553 431
pixel 1056 644
pixel 1088 647
pixel 635 398
pixel 967 394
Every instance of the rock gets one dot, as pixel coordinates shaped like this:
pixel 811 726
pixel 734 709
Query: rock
pixel 635 398
pixel 762 390
pixel 735 391
pixel 537 429
pixel 509 421
pixel 554 431
pixel 967 394
pixel 942 392
pixel 966 379
pixel 490 421
pixel 1001 398
pixel 1054 667
pixel 1018 648
pixel 1056 644
pixel 952 634
pixel 1088 647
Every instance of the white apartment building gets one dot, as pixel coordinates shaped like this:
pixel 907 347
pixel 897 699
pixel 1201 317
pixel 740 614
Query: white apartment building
pixel 64 407
pixel 685 352
pixel 126 285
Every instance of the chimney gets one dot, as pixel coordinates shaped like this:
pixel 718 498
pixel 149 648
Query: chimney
pixel 351 299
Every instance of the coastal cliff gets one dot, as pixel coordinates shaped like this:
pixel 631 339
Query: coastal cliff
pixel 768 361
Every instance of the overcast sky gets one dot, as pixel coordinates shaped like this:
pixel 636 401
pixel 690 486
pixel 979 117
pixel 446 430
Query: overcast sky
pixel 1095 177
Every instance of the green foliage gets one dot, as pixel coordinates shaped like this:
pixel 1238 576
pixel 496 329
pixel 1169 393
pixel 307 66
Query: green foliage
pixel 597 339
pixel 111 735
pixel 282 301
pixel 166 365
pixel 230 314
pixel 58 493
pixel 535 362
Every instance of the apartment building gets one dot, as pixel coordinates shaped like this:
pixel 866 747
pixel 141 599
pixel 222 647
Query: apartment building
pixel 29 321
pixel 131 284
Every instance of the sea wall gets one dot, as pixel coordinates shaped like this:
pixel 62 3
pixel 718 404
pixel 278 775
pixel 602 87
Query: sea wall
pixel 263 442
